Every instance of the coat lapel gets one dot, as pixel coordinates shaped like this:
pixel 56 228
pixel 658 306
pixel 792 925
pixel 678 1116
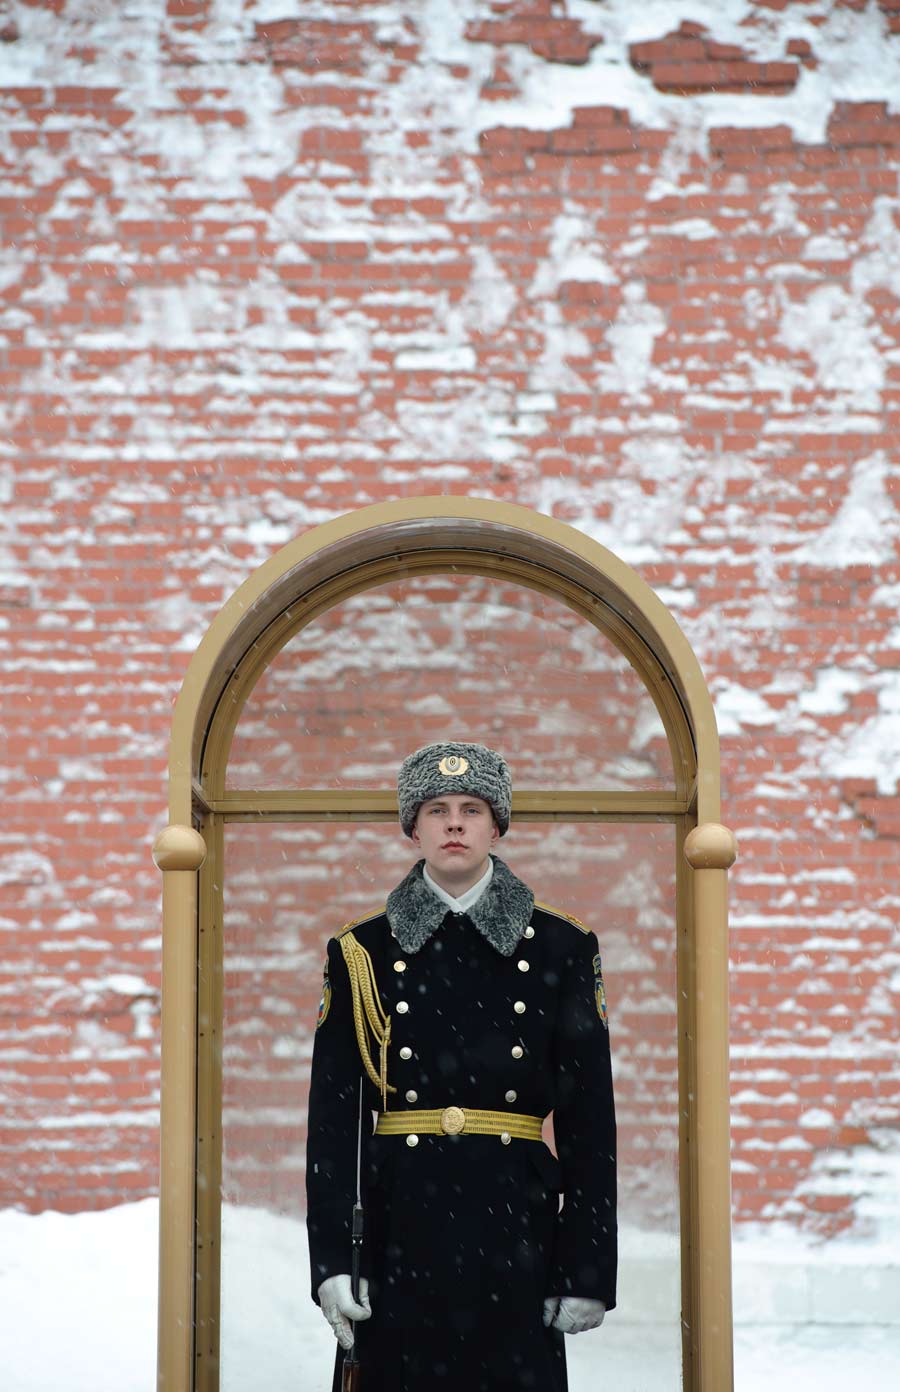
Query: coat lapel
pixel 501 915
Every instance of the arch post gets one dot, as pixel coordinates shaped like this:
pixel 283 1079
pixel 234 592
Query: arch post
pixel 711 850
pixel 178 851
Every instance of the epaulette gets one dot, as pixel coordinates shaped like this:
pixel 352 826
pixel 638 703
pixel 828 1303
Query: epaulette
pixel 561 913
pixel 366 918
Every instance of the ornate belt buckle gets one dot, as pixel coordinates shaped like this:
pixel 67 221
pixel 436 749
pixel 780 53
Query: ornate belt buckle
pixel 453 1119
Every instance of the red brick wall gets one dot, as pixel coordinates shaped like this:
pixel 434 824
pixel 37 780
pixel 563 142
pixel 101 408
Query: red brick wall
pixel 258 271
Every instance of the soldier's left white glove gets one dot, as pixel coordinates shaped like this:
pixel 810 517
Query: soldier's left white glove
pixel 573 1314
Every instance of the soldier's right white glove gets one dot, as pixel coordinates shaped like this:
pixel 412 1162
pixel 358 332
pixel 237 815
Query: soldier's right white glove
pixel 339 1307
pixel 573 1314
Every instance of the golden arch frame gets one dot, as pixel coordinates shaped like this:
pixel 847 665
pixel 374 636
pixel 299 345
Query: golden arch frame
pixel 308 576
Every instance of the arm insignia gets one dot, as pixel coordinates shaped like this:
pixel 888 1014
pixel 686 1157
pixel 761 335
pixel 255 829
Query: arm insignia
pixel 324 1003
pixel 600 992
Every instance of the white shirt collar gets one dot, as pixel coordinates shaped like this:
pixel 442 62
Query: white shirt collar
pixel 465 901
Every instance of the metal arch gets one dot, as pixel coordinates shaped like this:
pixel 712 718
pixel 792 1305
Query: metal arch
pixel 284 627
pixel 393 533
pixel 307 576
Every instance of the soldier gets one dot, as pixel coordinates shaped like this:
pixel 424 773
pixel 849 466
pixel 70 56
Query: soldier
pixel 472 1013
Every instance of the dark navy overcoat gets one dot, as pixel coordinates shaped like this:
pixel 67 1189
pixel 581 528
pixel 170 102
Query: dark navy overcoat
pixel 503 1009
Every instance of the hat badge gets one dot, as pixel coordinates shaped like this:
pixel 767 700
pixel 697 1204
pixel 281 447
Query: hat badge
pixel 452 765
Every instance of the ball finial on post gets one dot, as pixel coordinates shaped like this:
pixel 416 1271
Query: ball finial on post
pixel 710 847
pixel 179 848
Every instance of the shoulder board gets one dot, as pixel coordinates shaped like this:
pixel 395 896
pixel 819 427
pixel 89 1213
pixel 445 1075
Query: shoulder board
pixel 561 913
pixel 366 918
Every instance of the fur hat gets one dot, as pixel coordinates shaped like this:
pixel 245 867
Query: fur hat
pixel 440 770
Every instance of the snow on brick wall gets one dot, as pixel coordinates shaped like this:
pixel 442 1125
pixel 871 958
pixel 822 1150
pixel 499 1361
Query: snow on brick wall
pixel 635 266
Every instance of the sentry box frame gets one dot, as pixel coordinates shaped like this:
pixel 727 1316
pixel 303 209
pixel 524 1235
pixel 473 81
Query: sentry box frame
pixel 353 553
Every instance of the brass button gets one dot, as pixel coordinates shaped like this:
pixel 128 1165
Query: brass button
pixel 517 1051
pixel 412 1140
pixel 412 1096
pixel 399 966
pixel 453 1119
pixel 402 1007
pixel 529 932
pixel 523 965
pixel 406 1052
pixel 511 1095
pixel 505 1137
pixel 519 1007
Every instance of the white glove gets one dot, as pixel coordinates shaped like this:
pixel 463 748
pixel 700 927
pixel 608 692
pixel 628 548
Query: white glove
pixel 573 1314
pixel 339 1307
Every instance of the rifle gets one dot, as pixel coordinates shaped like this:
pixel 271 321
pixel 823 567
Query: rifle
pixel 351 1373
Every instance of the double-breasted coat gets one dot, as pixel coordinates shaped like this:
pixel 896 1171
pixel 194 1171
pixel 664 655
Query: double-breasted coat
pixel 502 1009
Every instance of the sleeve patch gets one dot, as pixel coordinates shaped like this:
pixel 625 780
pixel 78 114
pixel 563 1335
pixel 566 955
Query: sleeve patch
pixel 324 1003
pixel 600 992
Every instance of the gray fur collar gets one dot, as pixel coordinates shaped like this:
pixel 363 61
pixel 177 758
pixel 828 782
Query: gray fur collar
pixel 501 915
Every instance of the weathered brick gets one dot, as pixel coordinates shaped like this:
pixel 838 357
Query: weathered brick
pixel 624 337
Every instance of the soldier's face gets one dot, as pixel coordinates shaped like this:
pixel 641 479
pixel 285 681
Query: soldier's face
pixel 455 835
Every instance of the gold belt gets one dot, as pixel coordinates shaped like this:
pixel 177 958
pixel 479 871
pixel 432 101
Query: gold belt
pixel 455 1121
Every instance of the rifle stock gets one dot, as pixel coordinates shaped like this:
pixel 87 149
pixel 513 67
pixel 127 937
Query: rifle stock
pixel 351 1373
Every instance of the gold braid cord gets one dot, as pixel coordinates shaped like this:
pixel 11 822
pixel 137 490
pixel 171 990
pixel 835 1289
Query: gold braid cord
pixel 368 1012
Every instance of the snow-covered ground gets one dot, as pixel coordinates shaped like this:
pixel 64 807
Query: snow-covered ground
pixel 78 1312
